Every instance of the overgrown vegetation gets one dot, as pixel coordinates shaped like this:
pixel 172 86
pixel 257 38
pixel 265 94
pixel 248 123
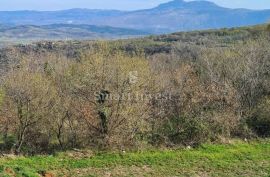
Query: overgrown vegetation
pixel 132 94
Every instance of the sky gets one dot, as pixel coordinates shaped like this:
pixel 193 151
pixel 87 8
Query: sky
pixel 11 5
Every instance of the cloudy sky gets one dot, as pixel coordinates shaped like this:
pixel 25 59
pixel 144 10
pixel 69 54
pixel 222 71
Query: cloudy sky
pixel 115 4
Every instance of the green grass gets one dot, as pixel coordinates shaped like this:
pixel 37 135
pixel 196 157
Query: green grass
pixel 237 159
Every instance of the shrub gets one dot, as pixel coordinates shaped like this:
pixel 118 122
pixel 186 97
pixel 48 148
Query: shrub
pixel 185 131
pixel 259 122
pixel 9 142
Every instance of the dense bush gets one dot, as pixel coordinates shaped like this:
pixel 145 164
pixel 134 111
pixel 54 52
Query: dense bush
pixel 260 119
pixel 185 131
pixel 117 96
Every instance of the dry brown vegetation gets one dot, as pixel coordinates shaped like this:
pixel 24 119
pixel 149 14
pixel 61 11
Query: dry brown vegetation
pixel 118 95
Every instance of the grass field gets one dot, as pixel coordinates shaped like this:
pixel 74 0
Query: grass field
pixel 236 159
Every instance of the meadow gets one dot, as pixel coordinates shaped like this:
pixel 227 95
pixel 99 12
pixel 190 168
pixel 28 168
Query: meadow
pixel 235 159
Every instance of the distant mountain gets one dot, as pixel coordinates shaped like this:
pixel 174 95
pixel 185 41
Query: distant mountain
pixel 177 15
pixel 64 31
